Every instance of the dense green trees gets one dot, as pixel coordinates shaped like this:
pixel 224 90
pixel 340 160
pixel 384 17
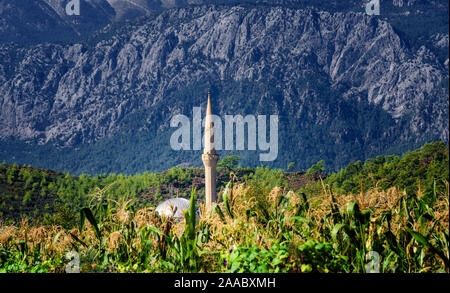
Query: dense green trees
pixel 44 195
pixel 316 169
pixel 424 168
pixel 229 162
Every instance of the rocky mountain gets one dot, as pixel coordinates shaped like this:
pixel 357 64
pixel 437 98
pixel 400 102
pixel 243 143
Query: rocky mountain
pixel 345 85
pixel 34 21
pixel 30 21
pixel 127 9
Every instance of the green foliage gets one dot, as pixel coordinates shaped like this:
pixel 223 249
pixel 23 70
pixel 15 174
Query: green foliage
pixel 253 259
pixel 291 166
pixel 317 257
pixel 178 175
pixel 86 213
pixel 268 178
pixel 46 191
pixel 261 229
pixel 27 197
pixel 316 169
pixel 421 168
pixel 63 216
pixel 229 162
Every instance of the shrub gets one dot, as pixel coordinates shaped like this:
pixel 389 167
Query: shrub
pixel 253 259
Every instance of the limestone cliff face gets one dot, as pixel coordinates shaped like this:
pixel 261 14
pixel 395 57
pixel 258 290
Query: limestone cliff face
pixel 67 94
pixel 32 21
pixel 72 93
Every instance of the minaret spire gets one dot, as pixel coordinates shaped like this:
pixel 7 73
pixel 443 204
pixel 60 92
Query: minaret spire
pixel 208 107
pixel 210 147
pixel 210 157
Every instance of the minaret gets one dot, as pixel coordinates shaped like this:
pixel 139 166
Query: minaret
pixel 210 158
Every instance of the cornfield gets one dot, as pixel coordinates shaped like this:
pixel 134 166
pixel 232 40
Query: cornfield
pixel 250 230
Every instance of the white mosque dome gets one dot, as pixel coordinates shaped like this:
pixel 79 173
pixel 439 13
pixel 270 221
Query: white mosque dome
pixel 173 207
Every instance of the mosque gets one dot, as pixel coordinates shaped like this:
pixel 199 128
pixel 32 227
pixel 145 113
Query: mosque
pixel 174 207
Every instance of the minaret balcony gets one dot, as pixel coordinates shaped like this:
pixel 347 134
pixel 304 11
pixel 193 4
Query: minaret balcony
pixel 210 159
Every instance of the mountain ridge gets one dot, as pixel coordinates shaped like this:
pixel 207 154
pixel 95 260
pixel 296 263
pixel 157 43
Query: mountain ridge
pixel 302 63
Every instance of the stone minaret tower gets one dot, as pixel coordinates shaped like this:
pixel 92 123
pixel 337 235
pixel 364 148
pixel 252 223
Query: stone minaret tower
pixel 210 158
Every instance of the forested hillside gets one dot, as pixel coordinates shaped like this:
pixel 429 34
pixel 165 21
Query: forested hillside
pixel 266 220
pixel 43 195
